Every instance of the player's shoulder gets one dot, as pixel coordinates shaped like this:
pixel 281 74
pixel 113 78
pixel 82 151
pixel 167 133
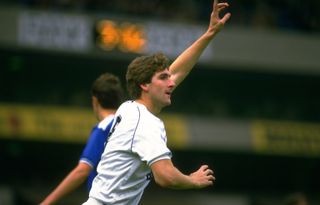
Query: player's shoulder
pixel 135 110
pixel 128 107
pixel 130 111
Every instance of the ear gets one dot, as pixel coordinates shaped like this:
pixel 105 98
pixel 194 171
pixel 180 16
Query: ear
pixel 144 87
pixel 95 101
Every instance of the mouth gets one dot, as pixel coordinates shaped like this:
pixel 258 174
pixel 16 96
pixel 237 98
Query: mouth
pixel 168 93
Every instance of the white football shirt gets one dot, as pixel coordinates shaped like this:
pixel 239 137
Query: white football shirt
pixel 137 140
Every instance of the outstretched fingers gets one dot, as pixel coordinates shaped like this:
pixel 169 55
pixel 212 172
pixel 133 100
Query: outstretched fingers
pixel 215 2
pixel 217 7
pixel 221 6
pixel 217 23
pixel 225 18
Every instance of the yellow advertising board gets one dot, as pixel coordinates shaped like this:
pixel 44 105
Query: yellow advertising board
pixel 45 123
pixel 286 138
pixel 67 124
pixel 177 131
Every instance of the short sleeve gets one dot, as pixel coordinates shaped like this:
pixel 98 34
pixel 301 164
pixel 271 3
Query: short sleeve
pixel 150 142
pixel 94 147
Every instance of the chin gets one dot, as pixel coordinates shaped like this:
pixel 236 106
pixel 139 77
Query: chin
pixel 165 104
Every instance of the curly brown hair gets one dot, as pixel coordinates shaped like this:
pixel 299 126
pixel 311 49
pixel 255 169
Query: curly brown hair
pixel 141 70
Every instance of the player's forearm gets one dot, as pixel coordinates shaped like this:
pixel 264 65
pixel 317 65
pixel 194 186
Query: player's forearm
pixel 69 184
pixel 182 66
pixel 185 62
pixel 61 191
pixel 174 179
pixel 167 175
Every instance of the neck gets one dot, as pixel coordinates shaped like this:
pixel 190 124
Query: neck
pixel 103 113
pixel 149 105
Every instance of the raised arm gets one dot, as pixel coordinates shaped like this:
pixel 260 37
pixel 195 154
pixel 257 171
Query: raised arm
pixel 181 67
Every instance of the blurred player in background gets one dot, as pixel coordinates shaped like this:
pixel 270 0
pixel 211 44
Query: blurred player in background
pixel 107 95
pixel 136 150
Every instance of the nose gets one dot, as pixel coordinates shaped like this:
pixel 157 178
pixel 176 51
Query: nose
pixel 171 83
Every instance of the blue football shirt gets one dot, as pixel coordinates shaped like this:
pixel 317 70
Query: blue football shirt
pixel 95 146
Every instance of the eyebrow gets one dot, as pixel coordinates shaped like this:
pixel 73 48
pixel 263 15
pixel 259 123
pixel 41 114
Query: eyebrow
pixel 164 75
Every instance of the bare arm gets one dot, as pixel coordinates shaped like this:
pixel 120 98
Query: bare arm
pixel 166 175
pixel 181 67
pixel 72 181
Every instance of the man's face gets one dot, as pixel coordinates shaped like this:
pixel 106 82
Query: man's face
pixel 160 88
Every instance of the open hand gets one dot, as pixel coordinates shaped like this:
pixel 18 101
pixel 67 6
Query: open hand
pixel 217 23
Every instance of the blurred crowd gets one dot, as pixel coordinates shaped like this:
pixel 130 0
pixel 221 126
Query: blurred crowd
pixel 293 15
